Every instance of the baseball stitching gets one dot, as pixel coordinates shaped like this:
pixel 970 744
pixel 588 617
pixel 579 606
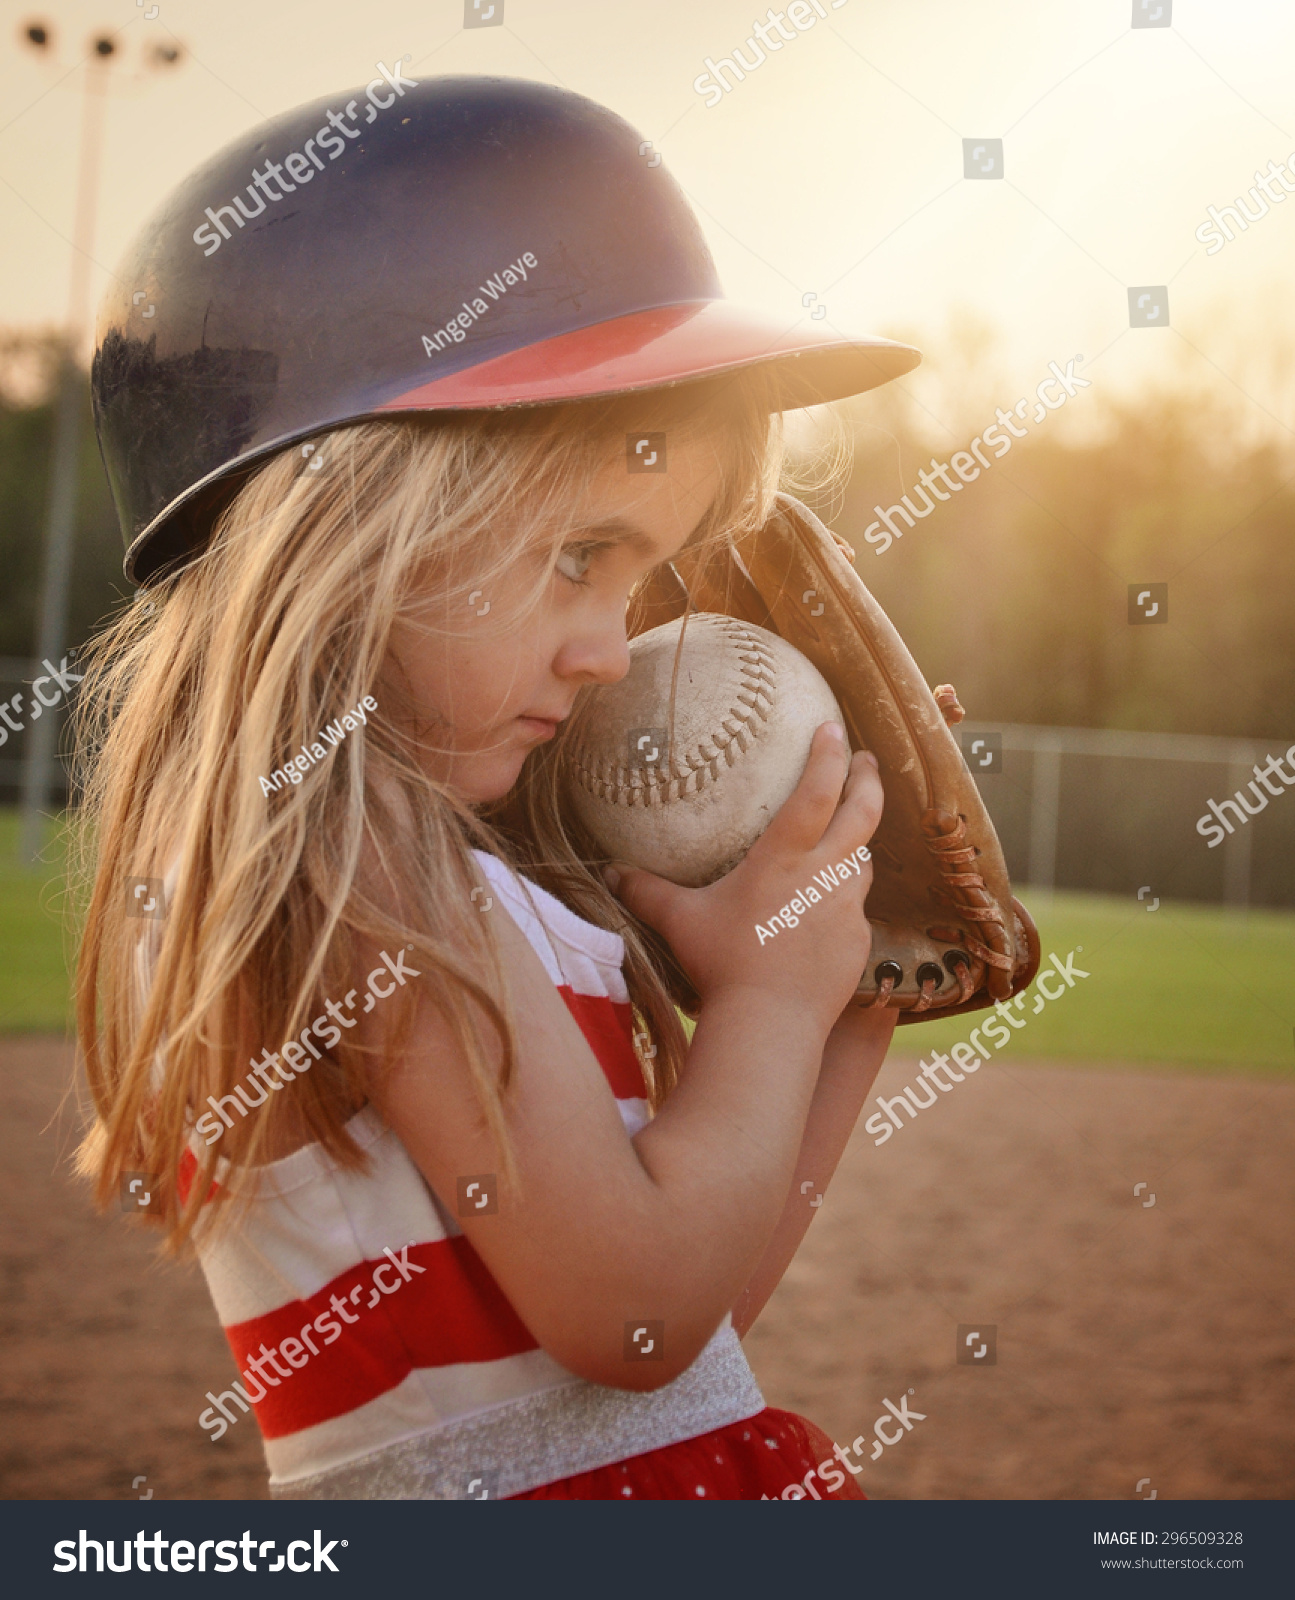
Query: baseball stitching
pixel 623 785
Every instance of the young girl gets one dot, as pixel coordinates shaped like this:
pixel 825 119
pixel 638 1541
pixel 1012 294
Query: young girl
pixel 477 1218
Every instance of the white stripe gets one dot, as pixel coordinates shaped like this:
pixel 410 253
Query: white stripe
pixel 573 951
pixel 635 1114
pixel 311 1222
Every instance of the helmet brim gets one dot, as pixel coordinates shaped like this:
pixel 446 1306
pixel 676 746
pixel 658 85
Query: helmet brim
pixel 650 349
pixel 669 345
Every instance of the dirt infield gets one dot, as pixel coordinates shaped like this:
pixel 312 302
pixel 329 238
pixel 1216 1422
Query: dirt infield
pixel 1134 1341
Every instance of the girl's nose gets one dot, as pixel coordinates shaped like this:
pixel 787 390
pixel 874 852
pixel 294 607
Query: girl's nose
pixel 597 655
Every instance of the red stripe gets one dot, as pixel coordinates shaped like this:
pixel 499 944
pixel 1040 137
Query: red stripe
pixel 453 1311
pixel 608 1025
pixel 186 1173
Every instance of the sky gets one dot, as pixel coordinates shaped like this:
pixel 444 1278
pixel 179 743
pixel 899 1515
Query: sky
pixel 834 171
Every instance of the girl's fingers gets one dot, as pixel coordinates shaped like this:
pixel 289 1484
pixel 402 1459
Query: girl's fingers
pixel 804 818
pixel 861 805
pixel 641 892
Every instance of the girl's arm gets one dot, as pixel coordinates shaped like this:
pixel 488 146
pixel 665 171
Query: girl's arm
pixel 852 1058
pixel 604 1231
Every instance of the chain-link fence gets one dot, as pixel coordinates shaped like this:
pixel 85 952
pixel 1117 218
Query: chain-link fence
pixel 1116 812
pixel 1076 808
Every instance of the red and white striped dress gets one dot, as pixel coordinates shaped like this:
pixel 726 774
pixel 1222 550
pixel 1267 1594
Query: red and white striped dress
pixel 431 1387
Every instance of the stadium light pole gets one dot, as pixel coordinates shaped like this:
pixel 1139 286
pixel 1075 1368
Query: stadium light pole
pixel 41 754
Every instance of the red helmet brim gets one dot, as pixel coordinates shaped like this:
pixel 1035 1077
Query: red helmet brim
pixel 663 346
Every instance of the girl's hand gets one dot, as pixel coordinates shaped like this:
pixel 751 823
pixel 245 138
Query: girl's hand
pixel 722 934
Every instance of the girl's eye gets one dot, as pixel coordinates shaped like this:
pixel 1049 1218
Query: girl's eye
pixel 574 561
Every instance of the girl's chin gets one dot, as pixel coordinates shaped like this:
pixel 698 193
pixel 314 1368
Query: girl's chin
pixel 491 777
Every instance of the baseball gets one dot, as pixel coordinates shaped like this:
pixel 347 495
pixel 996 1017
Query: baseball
pixel 686 789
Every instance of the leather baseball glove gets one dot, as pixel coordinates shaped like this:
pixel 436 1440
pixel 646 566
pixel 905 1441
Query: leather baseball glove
pixel 947 934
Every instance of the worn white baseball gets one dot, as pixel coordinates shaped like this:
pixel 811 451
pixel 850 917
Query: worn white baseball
pixel 686 795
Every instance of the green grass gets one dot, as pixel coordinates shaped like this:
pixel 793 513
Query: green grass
pixel 1188 986
pixel 34 985
pixel 1193 986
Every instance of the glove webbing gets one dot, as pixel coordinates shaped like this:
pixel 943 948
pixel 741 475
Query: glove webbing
pixel 946 840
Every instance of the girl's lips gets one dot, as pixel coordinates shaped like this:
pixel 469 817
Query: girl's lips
pixel 539 727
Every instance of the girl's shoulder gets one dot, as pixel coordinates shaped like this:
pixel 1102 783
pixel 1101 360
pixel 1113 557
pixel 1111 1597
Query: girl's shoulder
pixel 574 952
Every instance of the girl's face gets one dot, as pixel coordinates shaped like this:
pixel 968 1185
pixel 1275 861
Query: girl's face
pixel 493 687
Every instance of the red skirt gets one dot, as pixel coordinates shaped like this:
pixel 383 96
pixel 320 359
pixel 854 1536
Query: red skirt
pixel 767 1457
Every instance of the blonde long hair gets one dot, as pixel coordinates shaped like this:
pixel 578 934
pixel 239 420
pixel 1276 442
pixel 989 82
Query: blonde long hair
pixel 204 682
